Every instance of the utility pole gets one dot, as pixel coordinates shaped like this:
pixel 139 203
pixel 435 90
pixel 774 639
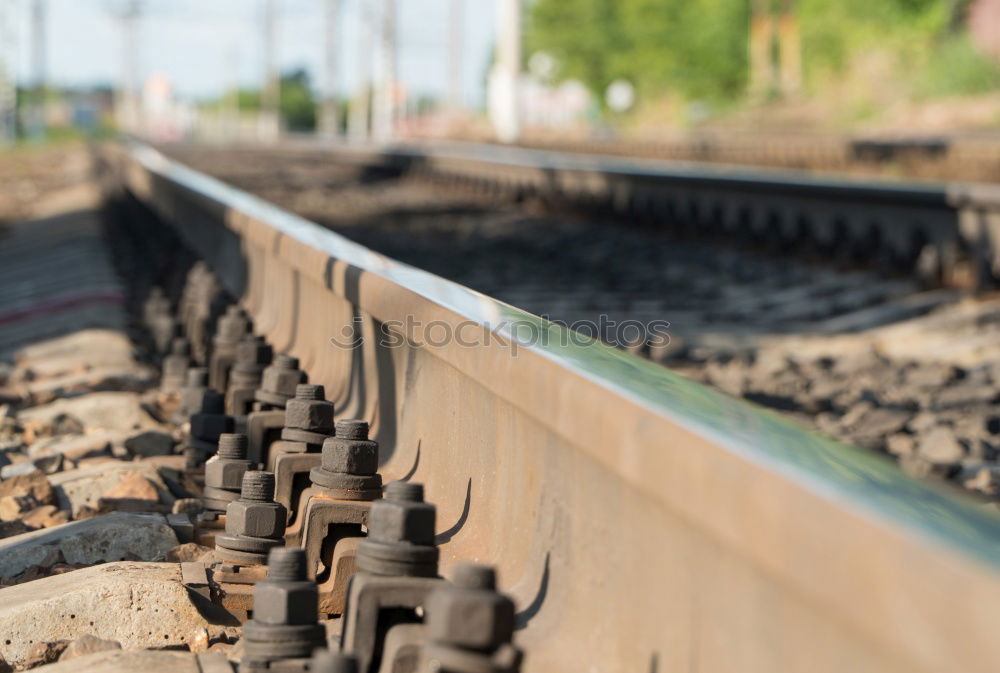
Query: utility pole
pixel 789 49
pixel 384 118
pixel 8 73
pixel 128 108
pixel 455 49
pixel 270 95
pixel 329 122
pixel 763 77
pixel 231 108
pixel 36 122
pixel 357 122
pixel 504 90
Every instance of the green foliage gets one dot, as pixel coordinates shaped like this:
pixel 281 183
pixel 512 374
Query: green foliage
pixel 957 69
pixel 298 107
pixel 296 103
pixel 697 49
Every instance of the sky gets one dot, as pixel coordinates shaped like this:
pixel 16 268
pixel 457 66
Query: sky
pixel 204 45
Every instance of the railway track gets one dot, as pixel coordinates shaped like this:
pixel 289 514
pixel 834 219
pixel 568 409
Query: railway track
pixel 943 232
pixel 635 519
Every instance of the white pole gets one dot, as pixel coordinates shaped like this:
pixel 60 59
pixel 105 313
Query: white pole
pixel 38 51
pixel 455 49
pixel 8 73
pixel 329 123
pixel 503 93
pixel 128 108
pixel 384 120
pixel 357 123
pixel 270 98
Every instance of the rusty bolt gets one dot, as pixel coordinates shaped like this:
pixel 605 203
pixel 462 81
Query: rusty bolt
pixel 328 661
pixel 349 464
pixel 286 596
pixel 232 326
pixel 285 623
pixel 206 426
pixel 400 534
pixel 225 470
pixel 309 411
pixel 180 347
pixel 470 614
pixel 350 451
pixel 256 514
pixel 279 381
pixel 403 516
pixel 253 355
pixel 197 377
pixel 194 390
pixel 187 506
pixel 176 364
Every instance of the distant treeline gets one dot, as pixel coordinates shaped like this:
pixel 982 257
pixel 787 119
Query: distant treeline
pixel 697 49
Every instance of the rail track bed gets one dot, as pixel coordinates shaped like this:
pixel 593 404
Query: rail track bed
pixel 234 439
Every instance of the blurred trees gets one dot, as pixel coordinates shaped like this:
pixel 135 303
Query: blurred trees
pixel 298 106
pixel 697 49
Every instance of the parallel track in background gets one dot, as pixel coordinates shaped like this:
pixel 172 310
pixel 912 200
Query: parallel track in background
pixel 943 232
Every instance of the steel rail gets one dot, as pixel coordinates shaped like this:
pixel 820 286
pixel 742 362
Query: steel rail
pixel 642 522
pixel 890 222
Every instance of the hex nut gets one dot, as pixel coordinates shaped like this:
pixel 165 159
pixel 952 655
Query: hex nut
pixel 210 426
pixel 281 381
pixel 468 616
pixel 256 519
pixel 350 456
pixel 394 521
pixel 285 602
pixel 469 619
pixel 314 415
pixel 225 473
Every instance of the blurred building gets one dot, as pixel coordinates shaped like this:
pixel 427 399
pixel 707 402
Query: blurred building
pixel 984 26
pixel 164 118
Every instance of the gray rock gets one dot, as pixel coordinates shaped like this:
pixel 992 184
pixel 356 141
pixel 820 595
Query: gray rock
pixel 140 605
pixel 965 395
pixel 900 444
pixel 50 464
pixel 150 443
pixel 8 471
pixel 86 486
pixel 75 447
pixel 106 410
pixel 939 446
pixel 882 421
pixel 66 424
pixel 88 644
pixel 97 540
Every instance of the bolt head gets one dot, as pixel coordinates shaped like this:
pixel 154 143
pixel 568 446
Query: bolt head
pixel 281 381
pixel 393 521
pixel 350 456
pixel 312 415
pixel 285 602
pixel 256 519
pixel 474 619
pixel 225 473
pixel 252 351
pixel 210 426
